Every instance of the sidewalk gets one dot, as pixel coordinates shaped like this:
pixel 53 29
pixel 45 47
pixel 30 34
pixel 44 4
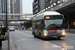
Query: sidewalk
pixel 70 33
pixel 4 45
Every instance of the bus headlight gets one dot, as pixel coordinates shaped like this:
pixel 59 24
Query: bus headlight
pixel 63 33
pixel 45 34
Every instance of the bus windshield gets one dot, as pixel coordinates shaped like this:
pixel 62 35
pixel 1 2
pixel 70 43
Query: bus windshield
pixel 54 24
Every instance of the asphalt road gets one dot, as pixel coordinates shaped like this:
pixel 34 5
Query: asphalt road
pixel 24 40
pixel 4 45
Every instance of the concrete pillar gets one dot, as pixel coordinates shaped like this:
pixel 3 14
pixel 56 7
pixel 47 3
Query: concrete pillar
pixel 68 23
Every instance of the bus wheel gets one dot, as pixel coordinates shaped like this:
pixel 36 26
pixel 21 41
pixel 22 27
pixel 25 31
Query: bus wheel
pixel 0 43
pixel 33 33
pixel 40 35
pixel 35 36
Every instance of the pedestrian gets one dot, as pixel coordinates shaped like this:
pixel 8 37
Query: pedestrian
pixel 4 30
pixel 0 37
pixel 2 33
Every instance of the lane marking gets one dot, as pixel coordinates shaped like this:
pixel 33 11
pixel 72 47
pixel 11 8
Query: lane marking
pixel 49 42
pixel 25 39
pixel 55 46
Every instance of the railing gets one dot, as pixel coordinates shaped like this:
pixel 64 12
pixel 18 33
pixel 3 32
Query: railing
pixel 15 18
pixel 54 3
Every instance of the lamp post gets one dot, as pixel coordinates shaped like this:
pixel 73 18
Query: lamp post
pixel 6 16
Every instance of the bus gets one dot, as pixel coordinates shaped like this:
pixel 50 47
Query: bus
pixel 49 24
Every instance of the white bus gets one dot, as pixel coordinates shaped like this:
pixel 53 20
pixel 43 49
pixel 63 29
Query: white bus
pixel 48 25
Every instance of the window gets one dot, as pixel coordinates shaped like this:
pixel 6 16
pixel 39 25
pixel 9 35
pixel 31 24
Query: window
pixel 42 7
pixel 41 1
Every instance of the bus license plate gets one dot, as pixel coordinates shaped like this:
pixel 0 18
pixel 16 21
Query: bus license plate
pixel 54 36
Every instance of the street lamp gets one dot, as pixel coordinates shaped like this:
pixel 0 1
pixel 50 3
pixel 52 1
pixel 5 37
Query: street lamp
pixel 6 16
pixel 48 6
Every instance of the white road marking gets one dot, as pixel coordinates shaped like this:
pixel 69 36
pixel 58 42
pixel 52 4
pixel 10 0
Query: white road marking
pixel 54 45
pixel 25 39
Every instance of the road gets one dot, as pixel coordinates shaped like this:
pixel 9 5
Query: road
pixel 24 40
pixel 5 45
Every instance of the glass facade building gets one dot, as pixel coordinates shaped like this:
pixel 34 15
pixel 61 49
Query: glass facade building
pixel 3 7
pixel 15 8
pixel 38 5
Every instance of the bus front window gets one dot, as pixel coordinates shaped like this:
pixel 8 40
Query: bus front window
pixel 54 24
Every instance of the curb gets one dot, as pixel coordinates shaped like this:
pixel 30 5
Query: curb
pixel 11 44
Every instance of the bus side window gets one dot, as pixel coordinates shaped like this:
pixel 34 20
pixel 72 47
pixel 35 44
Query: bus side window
pixel 42 25
pixel 35 26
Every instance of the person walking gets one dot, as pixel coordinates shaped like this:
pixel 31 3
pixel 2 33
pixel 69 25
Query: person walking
pixel 0 37
pixel 4 30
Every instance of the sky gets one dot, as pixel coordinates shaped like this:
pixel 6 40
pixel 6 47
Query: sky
pixel 27 6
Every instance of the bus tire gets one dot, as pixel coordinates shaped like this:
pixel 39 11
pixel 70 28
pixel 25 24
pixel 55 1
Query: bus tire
pixel 40 35
pixel 0 43
pixel 35 35
pixel 32 33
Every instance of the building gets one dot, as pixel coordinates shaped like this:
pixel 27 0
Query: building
pixel 3 7
pixel 65 7
pixel 0 7
pixel 15 7
pixel 38 5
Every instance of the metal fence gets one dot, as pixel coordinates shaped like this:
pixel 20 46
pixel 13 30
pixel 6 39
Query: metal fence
pixel 15 17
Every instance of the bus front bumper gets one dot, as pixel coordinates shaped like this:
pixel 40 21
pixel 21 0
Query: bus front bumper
pixel 53 35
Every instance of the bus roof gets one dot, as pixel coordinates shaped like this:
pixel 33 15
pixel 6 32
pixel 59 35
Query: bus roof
pixel 51 13
pixel 46 13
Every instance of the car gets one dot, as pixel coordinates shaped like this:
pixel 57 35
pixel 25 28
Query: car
pixel 11 28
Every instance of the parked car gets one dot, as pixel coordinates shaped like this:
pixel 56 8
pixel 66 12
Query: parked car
pixel 11 28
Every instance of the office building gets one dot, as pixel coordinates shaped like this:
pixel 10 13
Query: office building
pixel 3 8
pixel 38 5
pixel 15 7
